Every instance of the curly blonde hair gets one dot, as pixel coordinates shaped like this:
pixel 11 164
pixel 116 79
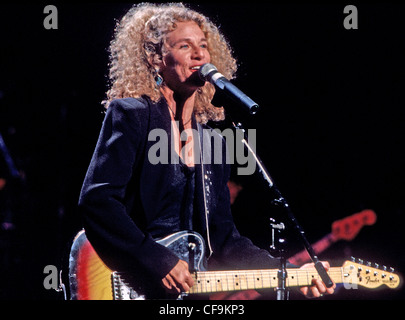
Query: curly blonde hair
pixel 138 46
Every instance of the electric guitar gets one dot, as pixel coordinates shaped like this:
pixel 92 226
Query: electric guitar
pixel 91 279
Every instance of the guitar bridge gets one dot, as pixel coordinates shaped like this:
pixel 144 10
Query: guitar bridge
pixel 122 290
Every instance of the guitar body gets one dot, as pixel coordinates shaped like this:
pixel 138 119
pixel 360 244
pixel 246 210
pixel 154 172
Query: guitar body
pixel 91 279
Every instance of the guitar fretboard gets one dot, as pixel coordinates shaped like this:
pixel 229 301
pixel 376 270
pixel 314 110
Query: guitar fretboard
pixel 218 281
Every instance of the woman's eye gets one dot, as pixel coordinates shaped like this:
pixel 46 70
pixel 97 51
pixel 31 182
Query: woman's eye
pixel 183 46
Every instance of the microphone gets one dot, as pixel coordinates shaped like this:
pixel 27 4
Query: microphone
pixel 208 72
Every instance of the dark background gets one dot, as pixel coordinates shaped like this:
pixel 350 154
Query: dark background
pixel 330 129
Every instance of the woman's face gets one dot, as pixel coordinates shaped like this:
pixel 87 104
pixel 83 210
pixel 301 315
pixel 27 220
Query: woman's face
pixel 186 50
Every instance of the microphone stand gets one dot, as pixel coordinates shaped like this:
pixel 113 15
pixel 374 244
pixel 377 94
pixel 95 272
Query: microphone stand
pixel 281 202
pixel 281 292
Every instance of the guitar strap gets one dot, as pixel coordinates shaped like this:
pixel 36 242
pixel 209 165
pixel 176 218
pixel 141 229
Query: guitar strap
pixel 204 153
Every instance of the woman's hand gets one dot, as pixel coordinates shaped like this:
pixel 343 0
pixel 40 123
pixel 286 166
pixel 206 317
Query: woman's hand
pixel 318 288
pixel 178 279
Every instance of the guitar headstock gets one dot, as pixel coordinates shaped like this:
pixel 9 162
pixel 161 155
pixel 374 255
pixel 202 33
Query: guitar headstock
pixel 368 275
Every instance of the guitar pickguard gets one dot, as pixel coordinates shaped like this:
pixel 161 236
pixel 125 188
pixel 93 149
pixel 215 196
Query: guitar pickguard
pixel 188 246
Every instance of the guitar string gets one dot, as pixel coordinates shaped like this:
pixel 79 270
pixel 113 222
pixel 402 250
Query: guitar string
pixel 337 273
pixel 209 279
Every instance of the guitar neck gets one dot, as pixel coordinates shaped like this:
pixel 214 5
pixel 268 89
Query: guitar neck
pixel 214 281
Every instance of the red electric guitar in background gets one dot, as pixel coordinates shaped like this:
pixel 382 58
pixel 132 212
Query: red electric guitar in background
pixel 344 229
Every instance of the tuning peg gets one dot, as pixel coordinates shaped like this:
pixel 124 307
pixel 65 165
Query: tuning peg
pixel 384 268
pixel 392 269
pixel 377 265
pixel 353 259
pixel 368 264
pixel 360 261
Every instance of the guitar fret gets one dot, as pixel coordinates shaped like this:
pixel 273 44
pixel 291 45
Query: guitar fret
pixel 261 280
pixel 228 282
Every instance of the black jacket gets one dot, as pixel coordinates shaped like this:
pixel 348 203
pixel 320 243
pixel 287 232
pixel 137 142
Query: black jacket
pixel 122 191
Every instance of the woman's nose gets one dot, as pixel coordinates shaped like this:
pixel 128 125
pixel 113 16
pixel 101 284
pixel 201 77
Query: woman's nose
pixel 199 53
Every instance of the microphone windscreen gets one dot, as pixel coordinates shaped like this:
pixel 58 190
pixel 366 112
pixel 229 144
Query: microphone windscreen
pixel 205 70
